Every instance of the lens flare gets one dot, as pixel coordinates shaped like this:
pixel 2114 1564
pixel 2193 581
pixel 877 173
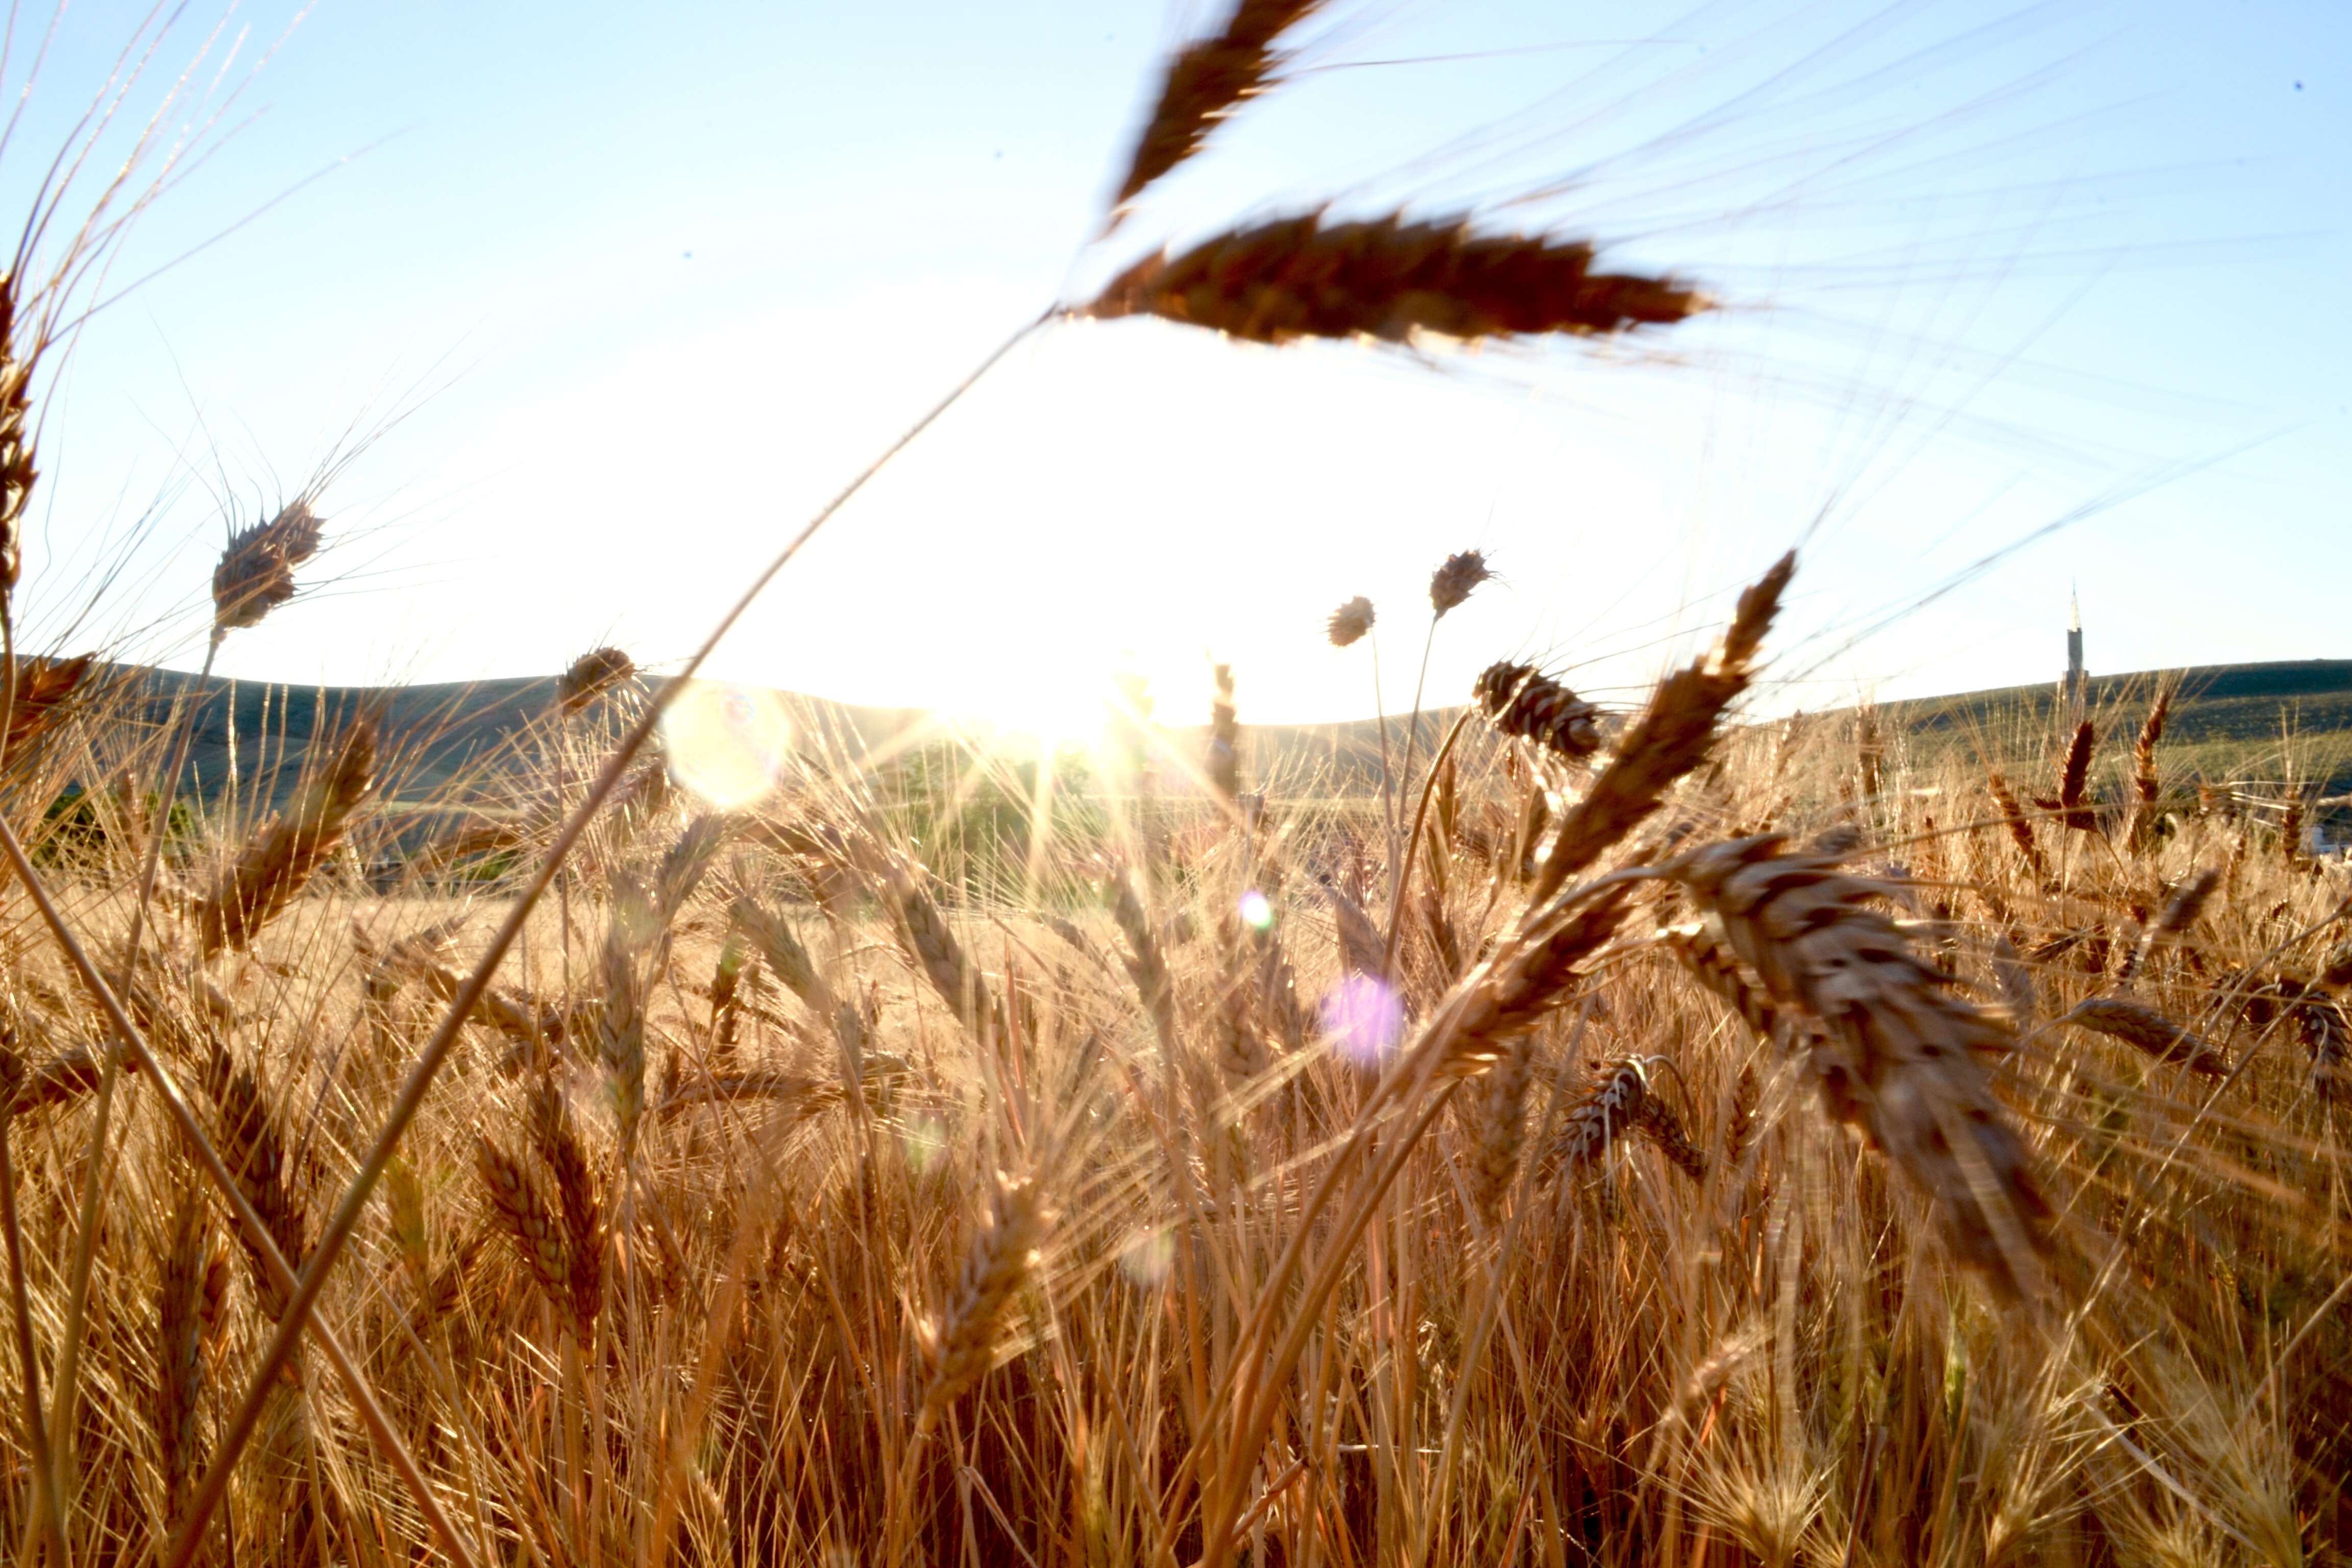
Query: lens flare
pixel 1147 1259
pixel 1257 913
pixel 1364 1019
pixel 729 745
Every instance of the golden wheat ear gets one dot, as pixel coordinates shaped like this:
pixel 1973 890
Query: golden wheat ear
pixel 1391 280
pixel 283 857
pixel 255 573
pixel 1204 85
pixel 1902 1042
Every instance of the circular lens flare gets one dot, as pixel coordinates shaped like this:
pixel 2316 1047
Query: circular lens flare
pixel 1257 913
pixel 1364 1019
pixel 729 745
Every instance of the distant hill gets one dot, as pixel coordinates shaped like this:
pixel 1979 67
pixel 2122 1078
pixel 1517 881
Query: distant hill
pixel 2229 720
pixel 2226 723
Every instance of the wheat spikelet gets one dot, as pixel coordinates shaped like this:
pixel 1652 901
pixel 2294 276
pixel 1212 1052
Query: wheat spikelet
pixel 1363 949
pixel 1522 700
pixel 1658 1121
pixel 282 858
pixel 2013 815
pixel 2181 911
pixel 255 573
pixel 1205 84
pixel 180 1349
pixel 1147 965
pixel 1904 1042
pixel 1387 279
pixel 1240 1054
pixel 619 1011
pixel 1223 761
pixel 1670 738
pixel 1511 992
pixel 2145 785
pixel 49 691
pixel 255 1152
pixel 1498 1125
pixel 2146 1030
pixel 1593 1124
pixel 1349 622
pixel 2290 831
pixel 591 676
pixel 1451 584
pixel 579 1200
pixel 999 1265
pixel 2073 783
pixel 519 1203
pixel 17 475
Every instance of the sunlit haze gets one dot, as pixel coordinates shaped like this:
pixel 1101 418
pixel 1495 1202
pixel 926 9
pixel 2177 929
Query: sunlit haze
pixel 636 289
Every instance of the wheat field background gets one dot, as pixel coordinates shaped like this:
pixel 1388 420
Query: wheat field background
pixel 1645 1131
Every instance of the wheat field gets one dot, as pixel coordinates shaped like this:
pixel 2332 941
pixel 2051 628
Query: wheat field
pixel 1620 1134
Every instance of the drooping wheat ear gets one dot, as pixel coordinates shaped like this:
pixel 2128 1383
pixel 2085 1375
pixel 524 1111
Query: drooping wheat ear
pixel 180 1346
pixel 1001 1261
pixel 1349 622
pixel 2013 815
pixel 1904 1042
pixel 1671 737
pixel 2327 1034
pixel 49 691
pixel 254 1149
pixel 281 859
pixel 591 676
pixel 2178 914
pixel 1451 584
pixel 1146 964
pixel 1223 763
pixel 1205 84
pixel 1604 1113
pixel 255 573
pixel 1522 700
pixel 392 967
pixel 1387 279
pixel 579 1198
pixel 519 1203
pixel 2146 1030
pixel 1658 1121
pixel 1498 1125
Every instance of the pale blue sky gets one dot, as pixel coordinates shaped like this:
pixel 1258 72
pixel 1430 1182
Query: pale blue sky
pixel 654 280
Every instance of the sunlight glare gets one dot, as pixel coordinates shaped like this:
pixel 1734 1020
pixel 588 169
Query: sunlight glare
pixel 729 745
